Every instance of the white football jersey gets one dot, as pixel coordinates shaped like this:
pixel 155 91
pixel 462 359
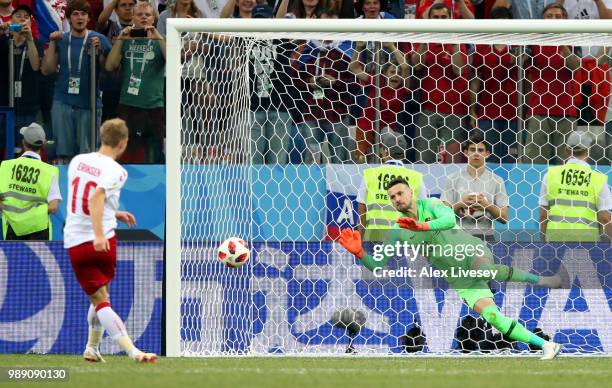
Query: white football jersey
pixel 86 173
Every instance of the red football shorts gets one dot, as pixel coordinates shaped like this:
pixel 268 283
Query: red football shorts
pixel 93 269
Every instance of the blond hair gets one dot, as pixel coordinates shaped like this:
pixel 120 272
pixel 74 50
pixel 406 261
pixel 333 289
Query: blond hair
pixel 146 4
pixel 113 131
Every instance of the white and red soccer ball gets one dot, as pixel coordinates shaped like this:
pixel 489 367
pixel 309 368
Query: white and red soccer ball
pixel 234 252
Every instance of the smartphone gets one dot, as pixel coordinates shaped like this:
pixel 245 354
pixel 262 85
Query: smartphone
pixel 138 33
pixel 15 27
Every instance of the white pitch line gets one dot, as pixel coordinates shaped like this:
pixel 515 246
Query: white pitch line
pixel 386 372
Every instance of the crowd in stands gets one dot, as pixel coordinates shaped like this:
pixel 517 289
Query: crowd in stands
pixel 310 101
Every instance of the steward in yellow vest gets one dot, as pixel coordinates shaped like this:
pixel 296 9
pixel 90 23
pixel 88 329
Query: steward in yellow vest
pixel 29 190
pixel 575 199
pixel 374 207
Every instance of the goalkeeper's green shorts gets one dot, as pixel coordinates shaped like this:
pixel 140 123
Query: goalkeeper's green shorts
pixel 472 295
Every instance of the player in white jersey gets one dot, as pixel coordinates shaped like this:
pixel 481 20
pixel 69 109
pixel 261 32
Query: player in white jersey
pixel 94 184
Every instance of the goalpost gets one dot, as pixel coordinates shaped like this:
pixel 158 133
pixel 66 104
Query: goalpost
pixel 300 288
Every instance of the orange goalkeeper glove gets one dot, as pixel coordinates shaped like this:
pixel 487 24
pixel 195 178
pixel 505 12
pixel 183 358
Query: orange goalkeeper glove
pixel 412 224
pixel 351 241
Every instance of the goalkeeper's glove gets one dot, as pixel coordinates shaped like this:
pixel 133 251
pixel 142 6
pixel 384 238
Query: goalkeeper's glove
pixel 412 224
pixel 351 241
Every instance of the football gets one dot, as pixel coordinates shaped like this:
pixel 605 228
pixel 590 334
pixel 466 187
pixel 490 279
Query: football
pixel 234 252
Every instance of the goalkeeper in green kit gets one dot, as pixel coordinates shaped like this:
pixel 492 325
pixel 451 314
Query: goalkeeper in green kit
pixel 431 223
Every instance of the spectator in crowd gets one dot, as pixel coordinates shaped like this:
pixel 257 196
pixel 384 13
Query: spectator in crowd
pixel 477 195
pixel 95 9
pixel 209 8
pixel 263 133
pixel 494 97
pixel 397 8
pixel 392 95
pixel 345 9
pixel 445 94
pixel 575 200
pixel 525 9
pixel 180 9
pixel 604 58
pixel 124 9
pixel 238 9
pixel 589 9
pixel 483 8
pixel 26 63
pixel 201 118
pixel 463 9
pixel 324 81
pixel 375 211
pixel 141 104
pixel 552 112
pixel 593 78
pixel 302 9
pixel 6 10
pixel 53 18
pixel 202 59
pixel 110 82
pixel 328 13
pixel 270 80
pixel 200 108
pixel 156 6
pixel 373 57
pixel 26 217
pixel 373 9
pixel 72 110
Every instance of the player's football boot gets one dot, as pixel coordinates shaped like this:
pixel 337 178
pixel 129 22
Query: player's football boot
pixel 144 358
pixel 92 355
pixel 550 350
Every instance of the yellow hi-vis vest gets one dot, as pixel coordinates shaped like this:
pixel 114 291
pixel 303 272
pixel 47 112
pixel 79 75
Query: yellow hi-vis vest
pixel 380 213
pixel 573 191
pixel 24 186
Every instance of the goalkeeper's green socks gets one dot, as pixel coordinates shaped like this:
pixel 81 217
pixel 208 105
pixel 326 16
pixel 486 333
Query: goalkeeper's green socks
pixel 510 274
pixel 511 328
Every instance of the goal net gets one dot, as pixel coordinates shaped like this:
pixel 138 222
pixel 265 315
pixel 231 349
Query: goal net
pixel 275 129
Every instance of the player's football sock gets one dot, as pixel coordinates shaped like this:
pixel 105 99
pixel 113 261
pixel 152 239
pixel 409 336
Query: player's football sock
pixel 128 347
pixel 511 328
pixel 116 329
pixel 510 274
pixel 95 328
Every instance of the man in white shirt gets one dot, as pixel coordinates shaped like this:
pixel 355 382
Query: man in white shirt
pixel 477 195
pixel 94 186
pixel 587 9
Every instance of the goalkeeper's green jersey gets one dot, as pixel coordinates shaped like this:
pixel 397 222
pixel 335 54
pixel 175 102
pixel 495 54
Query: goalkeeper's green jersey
pixel 445 245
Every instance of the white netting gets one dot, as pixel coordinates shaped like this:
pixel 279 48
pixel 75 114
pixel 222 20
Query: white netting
pixel 276 130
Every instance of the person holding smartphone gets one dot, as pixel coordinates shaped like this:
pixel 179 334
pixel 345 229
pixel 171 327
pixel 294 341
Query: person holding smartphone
pixel 26 62
pixel 140 52
pixel 68 57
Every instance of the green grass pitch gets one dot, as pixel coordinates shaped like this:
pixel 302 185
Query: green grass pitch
pixel 313 372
